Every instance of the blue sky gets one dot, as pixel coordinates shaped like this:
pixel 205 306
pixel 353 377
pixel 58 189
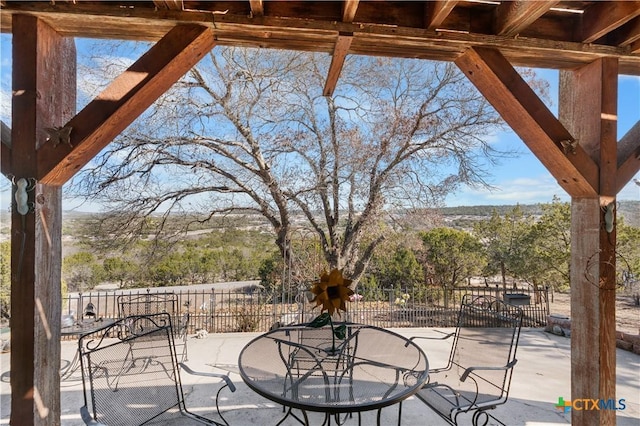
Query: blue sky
pixel 522 179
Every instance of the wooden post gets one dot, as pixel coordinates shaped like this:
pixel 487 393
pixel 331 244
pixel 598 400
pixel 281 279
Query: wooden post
pixel 588 108
pixel 44 80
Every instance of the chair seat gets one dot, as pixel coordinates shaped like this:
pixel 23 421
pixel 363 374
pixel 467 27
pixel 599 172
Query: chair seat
pixel 455 397
pixel 131 375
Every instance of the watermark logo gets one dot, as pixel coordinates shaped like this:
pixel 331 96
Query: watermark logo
pixel 584 404
pixel 563 405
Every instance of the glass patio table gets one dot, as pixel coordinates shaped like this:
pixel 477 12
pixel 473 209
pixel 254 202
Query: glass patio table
pixel 77 329
pixel 308 369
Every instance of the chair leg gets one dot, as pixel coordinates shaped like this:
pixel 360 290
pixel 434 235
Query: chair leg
pixel 218 407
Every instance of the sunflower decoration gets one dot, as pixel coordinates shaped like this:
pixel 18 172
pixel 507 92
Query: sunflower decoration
pixel 331 293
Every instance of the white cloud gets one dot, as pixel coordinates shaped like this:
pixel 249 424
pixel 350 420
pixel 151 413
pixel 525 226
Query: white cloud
pixel 529 190
pixel 526 191
pixel 631 191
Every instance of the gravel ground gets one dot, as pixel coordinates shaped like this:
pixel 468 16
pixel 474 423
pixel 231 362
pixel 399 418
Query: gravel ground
pixel 627 313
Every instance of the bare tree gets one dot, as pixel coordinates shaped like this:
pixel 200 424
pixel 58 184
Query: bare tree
pixel 250 131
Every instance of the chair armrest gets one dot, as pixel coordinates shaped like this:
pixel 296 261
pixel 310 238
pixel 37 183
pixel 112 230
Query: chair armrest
pixel 470 369
pixel 224 377
pixel 87 419
pixel 445 337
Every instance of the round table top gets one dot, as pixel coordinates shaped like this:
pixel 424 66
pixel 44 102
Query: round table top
pixel 86 326
pixel 371 368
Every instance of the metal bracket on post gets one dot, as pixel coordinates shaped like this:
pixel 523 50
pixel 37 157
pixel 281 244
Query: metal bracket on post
pixel 569 146
pixel 21 195
pixel 608 216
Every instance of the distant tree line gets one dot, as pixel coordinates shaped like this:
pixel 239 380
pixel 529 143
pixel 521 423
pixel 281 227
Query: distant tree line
pixel 508 248
pixel 514 248
pixel 213 256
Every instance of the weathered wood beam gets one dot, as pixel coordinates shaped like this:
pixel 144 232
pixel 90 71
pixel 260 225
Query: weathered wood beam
pixel 343 42
pixel 349 9
pixel 603 17
pixel 123 101
pixel 337 62
pixel 5 149
pixel 437 11
pixel 529 117
pixel 169 4
pixel 628 156
pixel 585 307
pixel 627 34
pixel 607 104
pixel 257 7
pixel 588 107
pixel 86 19
pixel 599 134
pixel 44 90
pixel 511 17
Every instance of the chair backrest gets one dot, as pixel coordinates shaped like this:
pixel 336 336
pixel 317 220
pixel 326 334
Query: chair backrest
pixel 129 370
pixel 315 344
pixel 155 303
pixel 487 335
pixel 147 304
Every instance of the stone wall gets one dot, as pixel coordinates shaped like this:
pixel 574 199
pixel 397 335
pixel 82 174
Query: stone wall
pixel 561 325
pixel 628 342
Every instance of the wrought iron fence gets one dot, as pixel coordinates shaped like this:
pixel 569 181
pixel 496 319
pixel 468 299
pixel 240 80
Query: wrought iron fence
pixel 222 311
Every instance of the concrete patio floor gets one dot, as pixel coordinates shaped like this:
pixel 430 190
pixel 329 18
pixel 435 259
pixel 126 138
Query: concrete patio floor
pixel 541 376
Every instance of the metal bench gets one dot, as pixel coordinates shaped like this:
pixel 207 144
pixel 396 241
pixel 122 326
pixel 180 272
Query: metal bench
pixel 478 374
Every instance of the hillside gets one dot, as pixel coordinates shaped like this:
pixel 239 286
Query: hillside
pixel 627 209
pixel 456 217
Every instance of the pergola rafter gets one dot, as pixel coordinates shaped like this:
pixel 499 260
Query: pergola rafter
pixel 590 42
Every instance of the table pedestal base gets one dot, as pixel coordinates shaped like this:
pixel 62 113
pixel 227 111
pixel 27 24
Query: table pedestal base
pixel 327 417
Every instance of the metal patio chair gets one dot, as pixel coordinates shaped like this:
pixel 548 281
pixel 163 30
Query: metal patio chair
pixel 131 375
pixel 309 361
pixel 478 374
pixel 155 303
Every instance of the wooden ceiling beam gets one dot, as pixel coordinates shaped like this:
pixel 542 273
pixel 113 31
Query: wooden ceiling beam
pixel 349 9
pixel 627 34
pixel 605 16
pixel 437 11
pixel 511 17
pixel 529 117
pixel 236 28
pixel 257 8
pixel 341 48
pixel 628 156
pixel 169 4
pixel 123 101
pixel 337 62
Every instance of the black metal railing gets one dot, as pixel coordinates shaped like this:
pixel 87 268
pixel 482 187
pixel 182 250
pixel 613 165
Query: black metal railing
pixel 220 311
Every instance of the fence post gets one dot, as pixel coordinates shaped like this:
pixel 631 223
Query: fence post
pixel 446 296
pixel 391 306
pixel 546 298
pixel 212 311
pixel 79 309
